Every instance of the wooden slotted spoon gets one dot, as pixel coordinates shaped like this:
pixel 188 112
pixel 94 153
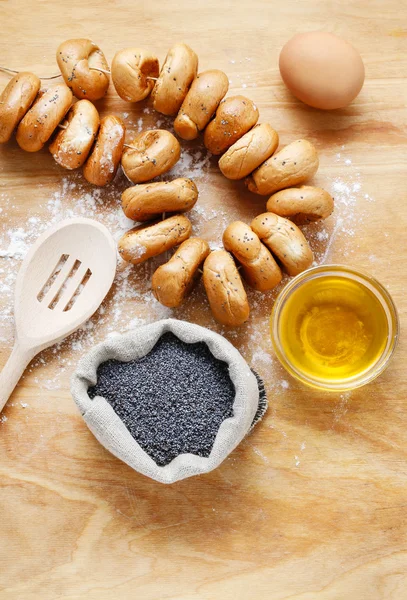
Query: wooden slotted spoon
pixel 62 281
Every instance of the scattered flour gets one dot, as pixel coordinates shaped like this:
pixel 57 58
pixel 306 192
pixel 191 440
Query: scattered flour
pixel 17 246
pixel 342 407
pixel 131 302
pixel 297 457
pixel 260 453
pixel 132 284
pixel 194 165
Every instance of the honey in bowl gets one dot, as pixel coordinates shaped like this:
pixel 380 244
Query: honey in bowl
pixel 334 328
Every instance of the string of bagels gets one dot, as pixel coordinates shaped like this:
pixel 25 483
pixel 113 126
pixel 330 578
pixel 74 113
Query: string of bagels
pixel 79 138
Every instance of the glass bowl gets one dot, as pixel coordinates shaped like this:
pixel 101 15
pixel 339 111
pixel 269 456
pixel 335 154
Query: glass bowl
pixel 370 286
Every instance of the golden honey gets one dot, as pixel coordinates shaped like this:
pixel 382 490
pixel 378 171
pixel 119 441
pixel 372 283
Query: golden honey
pixel 333 328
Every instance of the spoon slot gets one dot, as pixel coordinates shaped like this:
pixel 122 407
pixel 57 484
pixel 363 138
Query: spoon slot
pixel 79 290
pixel 48 284
pixel 67 273
pixel 70 288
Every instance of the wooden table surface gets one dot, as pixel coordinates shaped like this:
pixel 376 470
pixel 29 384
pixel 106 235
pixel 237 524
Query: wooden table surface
pixel 312 505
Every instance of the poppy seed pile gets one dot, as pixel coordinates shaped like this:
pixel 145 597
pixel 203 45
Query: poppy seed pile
pixel 173 400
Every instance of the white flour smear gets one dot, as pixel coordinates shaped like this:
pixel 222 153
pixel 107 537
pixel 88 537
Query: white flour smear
pixel 131 302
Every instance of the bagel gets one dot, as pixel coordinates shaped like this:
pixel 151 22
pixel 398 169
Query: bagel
pixel 143 242
pixel 177 73
pixel 256 146
pixel 132 71
pixel 149 154
pixel 258 266
pixel 101 166
pixel 80 61
pixel 44 116
pixel 224 288
pixel 294 164
pixel 72 144
pixel 174 280
pixel 302 205
pixel 234 117
pixel 285 240
pixel 148 201
pixel 15 100
pixel 200 103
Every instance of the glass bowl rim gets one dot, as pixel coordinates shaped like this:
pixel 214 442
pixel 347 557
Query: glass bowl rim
pixel 391 316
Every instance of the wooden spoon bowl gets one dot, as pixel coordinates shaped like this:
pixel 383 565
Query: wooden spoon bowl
pixel 61 283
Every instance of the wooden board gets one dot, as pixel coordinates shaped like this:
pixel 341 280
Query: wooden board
pixel 313 504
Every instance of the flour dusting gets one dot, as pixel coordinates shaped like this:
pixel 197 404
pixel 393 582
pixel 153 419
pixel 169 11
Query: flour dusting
pixel 131 302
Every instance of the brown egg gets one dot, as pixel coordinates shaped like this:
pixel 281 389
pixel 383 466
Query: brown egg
pixel 321 69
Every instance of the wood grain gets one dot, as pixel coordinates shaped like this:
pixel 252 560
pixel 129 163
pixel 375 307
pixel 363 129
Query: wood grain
pixel 312 506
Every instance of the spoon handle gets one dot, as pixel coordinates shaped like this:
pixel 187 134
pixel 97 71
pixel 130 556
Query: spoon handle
pixel 12 371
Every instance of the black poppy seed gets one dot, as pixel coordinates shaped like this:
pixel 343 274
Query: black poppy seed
pixel 172 401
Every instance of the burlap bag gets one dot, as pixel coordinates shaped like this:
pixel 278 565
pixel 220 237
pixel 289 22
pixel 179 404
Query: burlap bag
pixel 113 434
